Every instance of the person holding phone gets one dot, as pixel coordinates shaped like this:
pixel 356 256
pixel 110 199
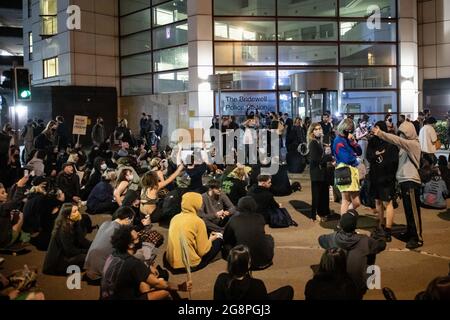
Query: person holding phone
pixel 346 151
pixel 11 224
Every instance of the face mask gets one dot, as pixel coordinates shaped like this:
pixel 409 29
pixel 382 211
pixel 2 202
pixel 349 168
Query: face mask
pixel 130 177
pixel 104 167
pixel 318 134
pixel 363 125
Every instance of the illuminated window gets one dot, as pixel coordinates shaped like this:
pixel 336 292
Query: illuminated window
pixel 49 15
pixel 30 45
pixel 51 67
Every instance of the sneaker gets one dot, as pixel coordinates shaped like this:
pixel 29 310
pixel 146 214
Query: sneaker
pixel 414 244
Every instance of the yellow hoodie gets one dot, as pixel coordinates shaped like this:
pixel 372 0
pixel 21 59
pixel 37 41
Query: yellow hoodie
pixel 193 228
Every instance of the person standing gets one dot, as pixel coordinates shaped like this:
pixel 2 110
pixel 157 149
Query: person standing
pixel 62 134
pixel 362 136
pixel 327 128
pixel 383 159
pixel 428 139
pixel 143 125
pixel 28 139
pixel 408 178
pixel 98 132
pixel 346 150
pixel 318 172
pixel 418 124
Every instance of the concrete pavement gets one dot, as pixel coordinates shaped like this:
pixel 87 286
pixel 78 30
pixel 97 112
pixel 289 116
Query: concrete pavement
pixel 406 272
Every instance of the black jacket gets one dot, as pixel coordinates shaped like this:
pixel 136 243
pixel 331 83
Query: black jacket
pixel 361 251
pixel 264 200
pixel 281 185
pixel 94 178
pixel 69 184
pixel 248 229
pixel 68 242
pixel 227 288
pixel 383 159
pixel 5 215
pixel 318 161
pixel 328 287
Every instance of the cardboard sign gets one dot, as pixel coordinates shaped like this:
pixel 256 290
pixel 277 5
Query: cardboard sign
pixel 80 124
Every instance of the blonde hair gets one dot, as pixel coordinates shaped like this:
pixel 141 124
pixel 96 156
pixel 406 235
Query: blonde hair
pixel 310 136
pixel 346 125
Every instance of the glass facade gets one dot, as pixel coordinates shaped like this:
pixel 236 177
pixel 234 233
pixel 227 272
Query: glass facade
pixel 263 42
pixel 153 46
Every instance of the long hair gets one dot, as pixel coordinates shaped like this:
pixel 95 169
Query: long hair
pixel 122 176
pixel 62 221
pixel 238 263
pixel 334 261
pixel 150 180
pixel 310 136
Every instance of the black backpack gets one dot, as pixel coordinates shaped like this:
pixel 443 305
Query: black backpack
pixel 280 218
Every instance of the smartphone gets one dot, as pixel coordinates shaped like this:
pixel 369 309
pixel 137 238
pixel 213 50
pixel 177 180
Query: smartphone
pixel 26 173
pixel 32 173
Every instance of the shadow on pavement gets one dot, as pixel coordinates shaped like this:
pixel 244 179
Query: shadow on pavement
pixel 445 215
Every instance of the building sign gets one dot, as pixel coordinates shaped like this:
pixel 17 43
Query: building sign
pixel 237 103
pixel 79 125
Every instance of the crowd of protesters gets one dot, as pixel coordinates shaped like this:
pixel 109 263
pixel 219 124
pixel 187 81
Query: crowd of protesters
pixel 214 209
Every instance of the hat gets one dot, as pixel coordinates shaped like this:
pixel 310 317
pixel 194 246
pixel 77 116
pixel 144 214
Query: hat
pixel 349 221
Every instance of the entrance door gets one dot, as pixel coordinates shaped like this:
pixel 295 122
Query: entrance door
pixel 314 104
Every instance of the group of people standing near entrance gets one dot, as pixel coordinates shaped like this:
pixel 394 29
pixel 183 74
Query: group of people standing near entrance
pixel 375 165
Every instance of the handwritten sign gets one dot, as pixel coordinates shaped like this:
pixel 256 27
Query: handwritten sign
pixel 79 125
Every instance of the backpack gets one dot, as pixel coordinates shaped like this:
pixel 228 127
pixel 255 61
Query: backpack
pixel 280 218
pixel 111 271
pixel 171 205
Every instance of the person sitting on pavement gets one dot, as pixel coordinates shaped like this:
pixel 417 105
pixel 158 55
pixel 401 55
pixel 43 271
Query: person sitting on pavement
pixel 68 245
pixel 69 182
pixel 188 234
pixel 101 198
pixel 263 197
pixel 361 249
pixel 435 192
pixel 125 277
pixel 332 281
pixel 247 228
pixel 235 183
pixel 101 247
pixel 217 207
pixel 11 220
pixel 238 284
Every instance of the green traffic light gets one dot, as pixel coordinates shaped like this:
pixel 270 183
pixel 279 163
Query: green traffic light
pixel 25 94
